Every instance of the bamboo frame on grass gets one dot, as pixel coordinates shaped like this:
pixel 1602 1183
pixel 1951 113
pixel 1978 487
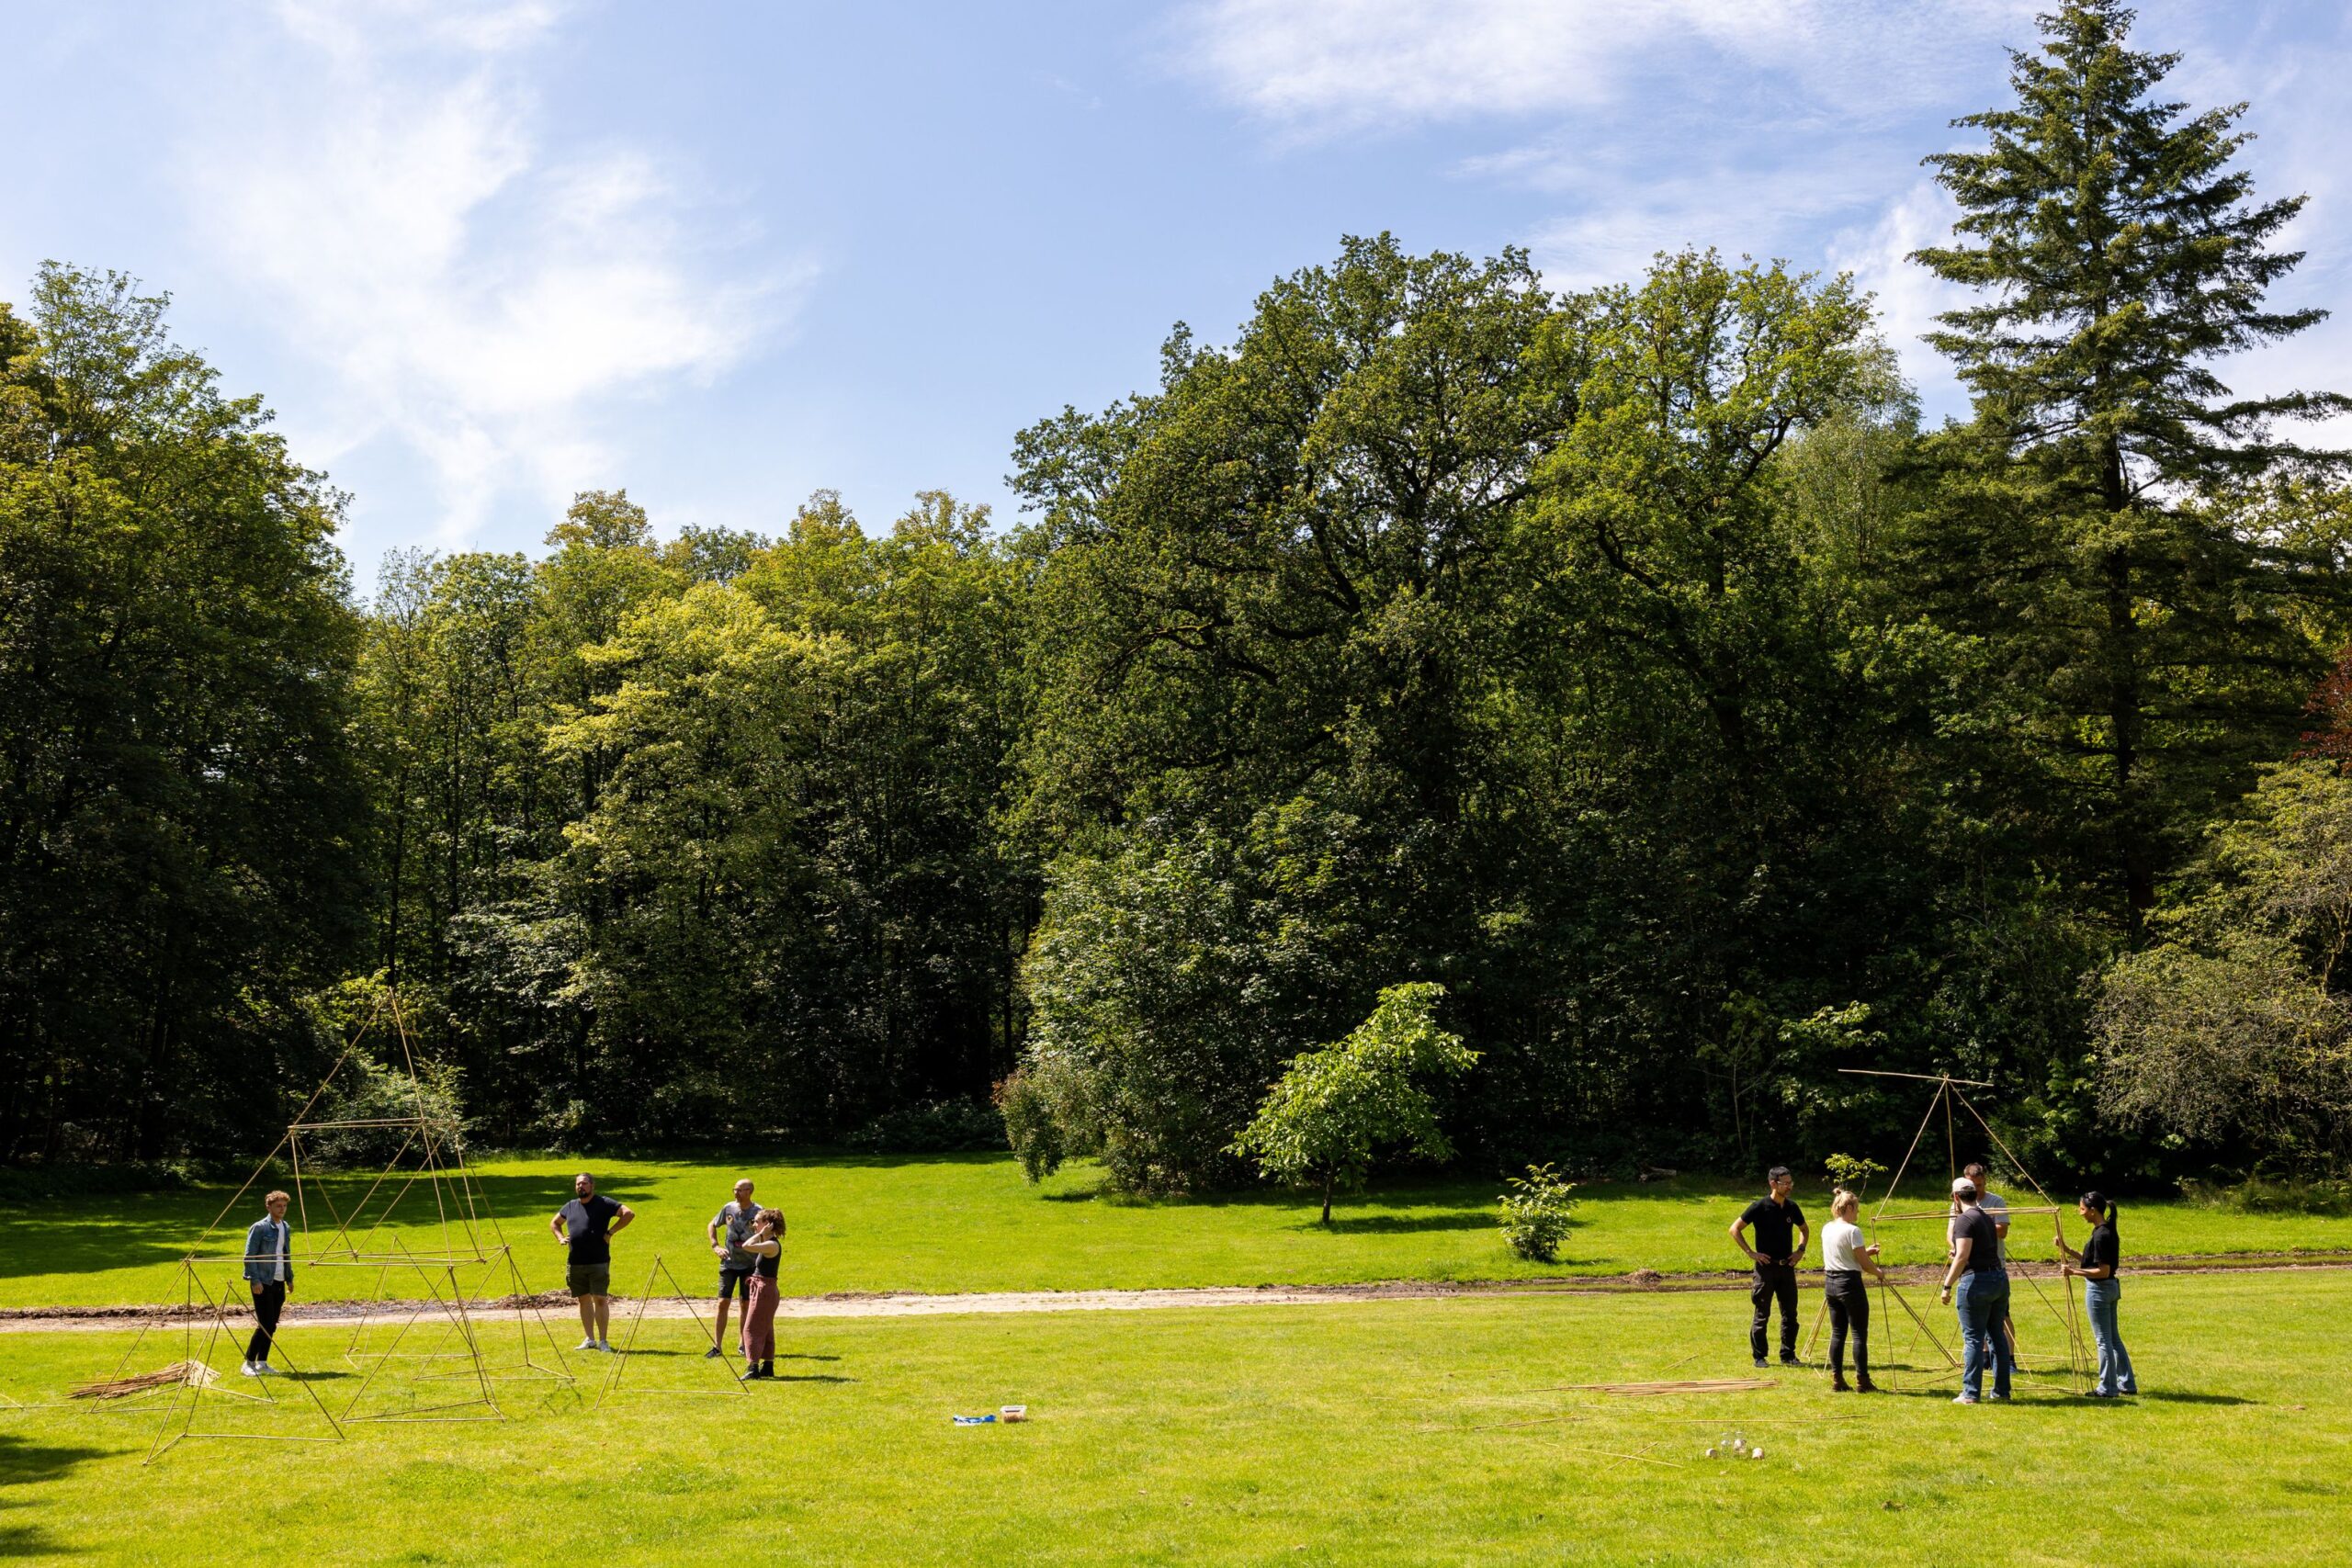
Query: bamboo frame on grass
pixel 660 1271
pixel 1948 1092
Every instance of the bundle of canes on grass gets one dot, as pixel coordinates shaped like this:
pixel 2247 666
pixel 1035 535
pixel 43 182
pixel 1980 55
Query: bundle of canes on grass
pixel 196 1374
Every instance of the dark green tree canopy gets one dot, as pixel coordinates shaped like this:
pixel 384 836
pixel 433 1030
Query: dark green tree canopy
pixel 2123 253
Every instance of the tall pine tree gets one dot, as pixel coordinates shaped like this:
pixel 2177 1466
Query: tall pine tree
pixel 2111 520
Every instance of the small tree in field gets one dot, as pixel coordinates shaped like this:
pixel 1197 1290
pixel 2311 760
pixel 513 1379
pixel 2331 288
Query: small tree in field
pixel 1320 1124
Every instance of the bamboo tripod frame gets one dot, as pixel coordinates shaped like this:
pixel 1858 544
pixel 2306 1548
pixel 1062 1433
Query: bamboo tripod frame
pixel 1946 1096
pixel 469 1237
pixel 659 1272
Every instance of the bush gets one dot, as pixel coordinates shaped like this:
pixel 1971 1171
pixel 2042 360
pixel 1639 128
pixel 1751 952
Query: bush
pixel 942 1126
pixel 1536 1213
pixel 1030 1125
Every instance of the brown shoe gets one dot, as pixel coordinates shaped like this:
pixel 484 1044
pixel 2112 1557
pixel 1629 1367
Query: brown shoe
pixel 1865 1385
pixel 1839 1385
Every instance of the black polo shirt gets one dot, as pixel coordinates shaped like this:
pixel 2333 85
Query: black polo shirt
pixel 1774 1226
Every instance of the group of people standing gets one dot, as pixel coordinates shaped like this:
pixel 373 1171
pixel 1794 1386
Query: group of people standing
pixel 1975 1282
pixel 747 1239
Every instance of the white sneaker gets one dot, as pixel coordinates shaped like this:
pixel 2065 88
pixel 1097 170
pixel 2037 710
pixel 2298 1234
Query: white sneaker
pixel 606 1347
pixel 264 1369
pixel 590 1345
pixel 247 1367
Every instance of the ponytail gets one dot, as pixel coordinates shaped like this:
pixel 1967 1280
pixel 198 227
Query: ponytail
pixel 2098 1203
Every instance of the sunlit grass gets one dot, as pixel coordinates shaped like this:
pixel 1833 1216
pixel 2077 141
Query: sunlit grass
pixel 1361 1433
pixel 969 1222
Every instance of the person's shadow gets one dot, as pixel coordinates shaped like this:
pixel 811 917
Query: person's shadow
pixel 25 1462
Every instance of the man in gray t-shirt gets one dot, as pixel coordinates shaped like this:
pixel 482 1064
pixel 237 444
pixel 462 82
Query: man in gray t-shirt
pixel 728 1231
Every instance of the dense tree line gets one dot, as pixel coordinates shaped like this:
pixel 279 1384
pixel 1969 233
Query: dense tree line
pixel 1628 663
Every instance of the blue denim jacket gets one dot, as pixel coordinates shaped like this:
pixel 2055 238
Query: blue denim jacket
pixel 261 1252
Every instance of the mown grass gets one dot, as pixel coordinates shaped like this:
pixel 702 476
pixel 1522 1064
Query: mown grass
pixel 1350 1434
pixel 969 1222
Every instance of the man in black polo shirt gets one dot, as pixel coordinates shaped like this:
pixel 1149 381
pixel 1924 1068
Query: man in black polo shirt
pixel 1781 1238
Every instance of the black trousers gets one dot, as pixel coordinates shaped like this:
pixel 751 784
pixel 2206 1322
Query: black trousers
pixel 268 1302
pixel 1850 1308
pixel 1774 1282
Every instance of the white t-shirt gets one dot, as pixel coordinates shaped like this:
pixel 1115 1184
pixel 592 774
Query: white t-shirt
pixel 1841 1246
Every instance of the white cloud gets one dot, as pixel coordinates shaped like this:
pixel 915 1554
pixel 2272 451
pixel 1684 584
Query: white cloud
pixel 381 182
pixel 1347 64
pixel 1908 297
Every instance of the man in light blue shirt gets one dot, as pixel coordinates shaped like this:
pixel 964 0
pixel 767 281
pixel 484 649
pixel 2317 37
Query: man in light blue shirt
pixel 270 1271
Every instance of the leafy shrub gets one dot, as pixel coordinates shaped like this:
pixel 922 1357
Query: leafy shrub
pixel 1536 1213
pixel 1030 1125
pixel 942 1126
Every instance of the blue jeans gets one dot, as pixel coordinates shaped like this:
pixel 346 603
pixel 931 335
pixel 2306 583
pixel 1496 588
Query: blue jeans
pixel 1983 1303
pixel 2099 1297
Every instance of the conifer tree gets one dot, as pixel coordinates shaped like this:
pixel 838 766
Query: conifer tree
pixel 2110 517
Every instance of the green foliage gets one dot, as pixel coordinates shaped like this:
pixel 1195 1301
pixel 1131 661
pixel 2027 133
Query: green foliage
pixel 179 806
pixel 2111 520
pixel 2272 1195
pixel 1170 981
pixel 940 1127
pixel 1851 1173
pixel 1030 1125
pixel 1536 1214
pixel 655 816
pixel 1624 661
pixel 2234 1030
pixel 1335 1106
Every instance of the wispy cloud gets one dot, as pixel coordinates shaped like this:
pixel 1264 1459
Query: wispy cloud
pixel 1350 64
pixel 379 176
pixel 1791 128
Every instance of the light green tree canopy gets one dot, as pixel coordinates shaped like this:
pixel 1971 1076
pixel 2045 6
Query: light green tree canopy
pixel 1340 1103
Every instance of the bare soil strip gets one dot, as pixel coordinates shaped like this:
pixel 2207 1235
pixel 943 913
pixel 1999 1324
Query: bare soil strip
pixel 856 1304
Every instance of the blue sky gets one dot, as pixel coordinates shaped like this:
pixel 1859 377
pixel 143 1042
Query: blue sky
pixel 480 255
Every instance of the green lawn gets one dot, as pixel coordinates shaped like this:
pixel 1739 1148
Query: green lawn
pixel 969 1222
pixel 1352 1434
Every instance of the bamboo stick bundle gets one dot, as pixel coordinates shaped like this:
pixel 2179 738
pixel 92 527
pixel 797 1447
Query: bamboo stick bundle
pixel 196 1374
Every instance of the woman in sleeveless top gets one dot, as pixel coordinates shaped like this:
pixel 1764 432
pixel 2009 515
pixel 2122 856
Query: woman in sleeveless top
pixel 765 1244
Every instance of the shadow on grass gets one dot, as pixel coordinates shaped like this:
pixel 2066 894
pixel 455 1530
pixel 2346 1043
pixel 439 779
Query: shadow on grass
pixel 24 1463
pixel 81 1236
pixel 807 1377
pixel 1396 1224
pixel 2180 1396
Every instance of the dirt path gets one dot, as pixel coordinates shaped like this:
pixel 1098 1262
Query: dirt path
pixel 851 1303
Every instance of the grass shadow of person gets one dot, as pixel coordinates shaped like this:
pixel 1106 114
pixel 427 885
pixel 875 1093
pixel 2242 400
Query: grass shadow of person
pixel 24 1463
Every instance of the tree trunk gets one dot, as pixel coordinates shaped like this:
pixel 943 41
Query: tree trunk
pixel 1328 1177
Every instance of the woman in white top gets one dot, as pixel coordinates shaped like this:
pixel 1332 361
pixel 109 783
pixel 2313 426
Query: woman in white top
pixel 1844 1258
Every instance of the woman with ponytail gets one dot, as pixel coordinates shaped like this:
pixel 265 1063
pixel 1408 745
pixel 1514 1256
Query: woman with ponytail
pixel 2096 1265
